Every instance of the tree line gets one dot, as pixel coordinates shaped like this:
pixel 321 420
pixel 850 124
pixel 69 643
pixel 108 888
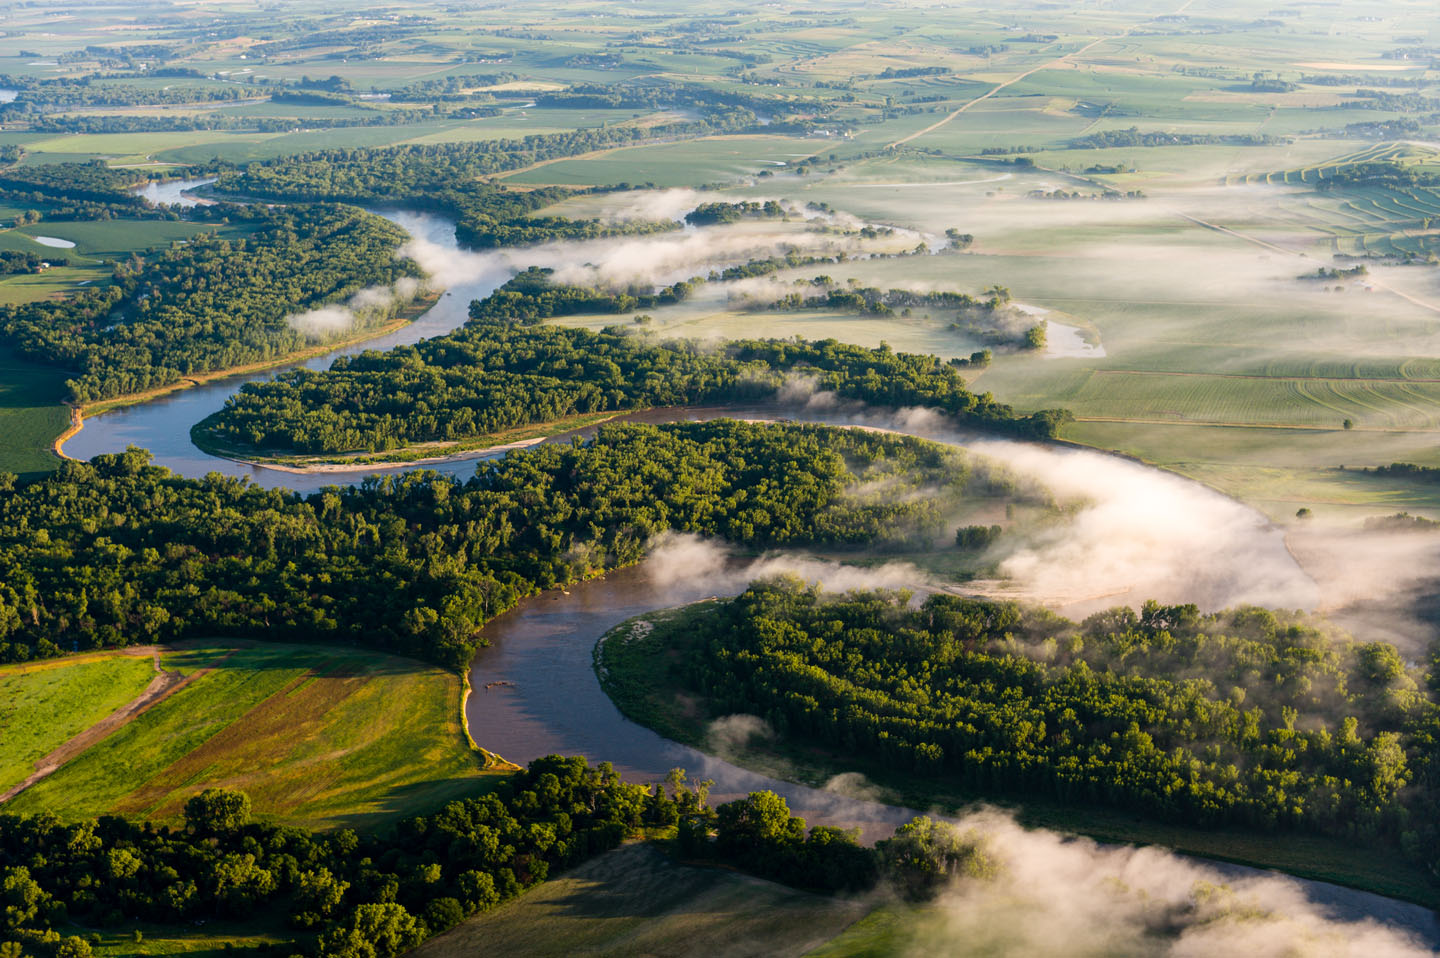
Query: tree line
pixel 447 177
pixel 1110 139
pixel 345 895
pixel 711 214
pixel 486 215
pixel 117 551
pixel 353 895
pixel 822 292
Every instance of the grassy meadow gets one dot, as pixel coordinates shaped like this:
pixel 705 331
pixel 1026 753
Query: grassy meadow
pixel 45 704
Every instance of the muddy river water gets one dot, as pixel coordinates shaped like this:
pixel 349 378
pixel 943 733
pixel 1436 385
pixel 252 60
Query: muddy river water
pixel 534 687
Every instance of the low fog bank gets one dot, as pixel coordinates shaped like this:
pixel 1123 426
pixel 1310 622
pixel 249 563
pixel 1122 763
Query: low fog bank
pixel 679 558
pixel 1055 895
pixel 662 259
pixel 657 259
pixel 1123 533
pixel 676 203
pixel 1126 532
pixel 1380 584
pixel 376 303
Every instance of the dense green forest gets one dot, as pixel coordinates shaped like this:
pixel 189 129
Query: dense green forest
pixel 1242 717
pixel 117 551
pixel 822 292
pixel 349 895
pixel 439 179
pixel 1110 139
pixel 14 262
pixel 1375 173
pixel 212 303
pixel 95 182
pixel 711 214
pixel 493 375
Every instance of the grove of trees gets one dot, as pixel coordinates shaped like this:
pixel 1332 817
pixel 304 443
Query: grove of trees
pixel 499 372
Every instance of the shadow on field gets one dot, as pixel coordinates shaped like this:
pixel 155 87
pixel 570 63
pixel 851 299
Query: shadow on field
pixel 326 661
pixel 419 798
pixel 636 900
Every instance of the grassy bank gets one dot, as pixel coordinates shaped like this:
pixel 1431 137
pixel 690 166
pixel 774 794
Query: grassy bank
pixel 638 664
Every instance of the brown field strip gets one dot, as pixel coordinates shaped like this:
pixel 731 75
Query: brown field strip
pixel 248 742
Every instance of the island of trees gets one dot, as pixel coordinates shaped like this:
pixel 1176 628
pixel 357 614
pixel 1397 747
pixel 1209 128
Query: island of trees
pixel 1245 717
pixel 212 303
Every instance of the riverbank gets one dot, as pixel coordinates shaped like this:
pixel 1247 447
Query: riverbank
pixel 635 665
pixel 489 761
pixel 80 412
pixel 419 455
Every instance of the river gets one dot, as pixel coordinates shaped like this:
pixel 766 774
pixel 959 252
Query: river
pixel 550 701
pixel 175 192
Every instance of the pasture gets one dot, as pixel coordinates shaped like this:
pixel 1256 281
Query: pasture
pixel 637 900
pixel 688 163
pixel 45 704
pixel 320 736
pixel 109 239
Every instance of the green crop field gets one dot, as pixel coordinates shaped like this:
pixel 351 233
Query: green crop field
pixel 31 414
pixel 111 239
pixel 314 735
pixel 679 164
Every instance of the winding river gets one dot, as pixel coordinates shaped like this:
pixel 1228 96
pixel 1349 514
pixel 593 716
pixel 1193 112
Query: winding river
pixel 162 425
pixel 534 689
